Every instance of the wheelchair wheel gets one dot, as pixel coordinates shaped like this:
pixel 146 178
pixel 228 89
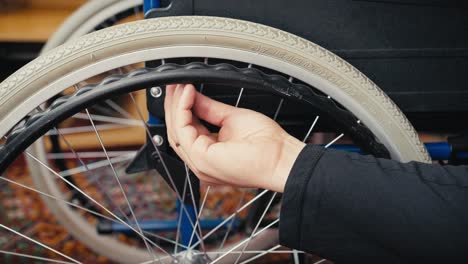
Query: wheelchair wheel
pixel 266 60
pixel 94 15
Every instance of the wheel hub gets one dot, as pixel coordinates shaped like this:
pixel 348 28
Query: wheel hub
pixel 191 257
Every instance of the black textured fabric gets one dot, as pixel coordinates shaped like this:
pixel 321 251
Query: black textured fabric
pixel 351 208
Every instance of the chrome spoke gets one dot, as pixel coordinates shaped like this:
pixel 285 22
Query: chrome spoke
pixel 246 240
pixel 108 119
pixel 241 91
pixel 90 154
pixel 258 224
pixel 40 244
pixel 194 204
pixel 56 198
pixel 93 200
pixel 96 165
pixel 278 109
pixel 150 252
pixel 85 129
pixel 230 217
pixel 334 140
pixel 163 258
pixel 140 231
pixel 239 97
pixel 261 254
pixel 83 208
pixel 231 224
pixel 33 257
pixel 180 212
pixel 296 257
pixel 199 215
pixel 241 200
pixel 252 251
pixel 202 85
pixel 165 239
pixel 274 195
pixel 119 109
pixel 69 203
pixel 166 169
pixel 88 172
pixel 320 261
pixel 310 129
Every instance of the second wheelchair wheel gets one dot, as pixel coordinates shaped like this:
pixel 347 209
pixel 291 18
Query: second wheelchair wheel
pixel 94 15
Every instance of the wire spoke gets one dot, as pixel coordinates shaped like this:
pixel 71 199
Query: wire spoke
pixel 93 200
pixel 243 191
pixel 296 257
pixel 119 109
pixel 202 85
pixel 278 109
pixel 83 208
pixel 88 172
pixel 84 129
pixel 261 254
pixel 334 140
pixel 165 239
pixel 274 195
pixel 33 257
pixel 199 215
pixel 194 204
pixel 258 224
pixel 56 198
pixel 320 261
pixel 86 209
pixel 246 240
pixel 89 154
pixel 230 217
pixel 239 97
pixel 140 233
pixel 40 244
pixel 310 129
pixel 231 224
pixel 166 169
pixel 241 91
pixel 108 119
pixel 96 165
pixel 252 251
pixel 150 252
pixel 180 214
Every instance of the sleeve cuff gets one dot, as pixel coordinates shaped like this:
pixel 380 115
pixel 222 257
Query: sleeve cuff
pixel 293 196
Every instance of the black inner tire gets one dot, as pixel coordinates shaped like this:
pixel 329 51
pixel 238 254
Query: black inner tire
pixel 221 74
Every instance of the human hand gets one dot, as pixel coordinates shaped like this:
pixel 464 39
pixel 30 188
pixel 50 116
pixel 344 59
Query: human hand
pixel 250 150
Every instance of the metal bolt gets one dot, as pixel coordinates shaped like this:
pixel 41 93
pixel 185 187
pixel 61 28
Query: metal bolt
pixel 158 140
pixel 156 91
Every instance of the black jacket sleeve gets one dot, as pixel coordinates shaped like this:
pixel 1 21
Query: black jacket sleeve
pixel 351 208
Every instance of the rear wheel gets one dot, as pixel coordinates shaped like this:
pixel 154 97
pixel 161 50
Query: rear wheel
pixel 210 39
pixel 93 15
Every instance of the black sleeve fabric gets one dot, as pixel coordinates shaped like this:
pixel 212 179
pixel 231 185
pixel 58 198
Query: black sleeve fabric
pixel 351 208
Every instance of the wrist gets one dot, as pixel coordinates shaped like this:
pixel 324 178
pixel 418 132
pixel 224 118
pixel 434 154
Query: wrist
pixel 291 149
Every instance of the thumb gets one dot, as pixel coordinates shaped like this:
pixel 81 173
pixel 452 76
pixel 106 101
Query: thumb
pixel 212 111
